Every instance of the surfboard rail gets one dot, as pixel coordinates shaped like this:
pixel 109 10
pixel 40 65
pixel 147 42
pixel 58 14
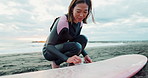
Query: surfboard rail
pixel 124 66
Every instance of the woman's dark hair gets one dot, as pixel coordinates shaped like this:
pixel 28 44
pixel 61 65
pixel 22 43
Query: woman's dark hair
pixel 73 4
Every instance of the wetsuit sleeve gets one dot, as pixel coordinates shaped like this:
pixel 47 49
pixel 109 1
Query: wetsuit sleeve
pixel 84 53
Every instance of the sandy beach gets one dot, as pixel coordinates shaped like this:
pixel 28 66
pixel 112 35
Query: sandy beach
pixel 29 62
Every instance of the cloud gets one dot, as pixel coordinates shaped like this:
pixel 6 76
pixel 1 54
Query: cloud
pixel 115 19
pixel 118 9
pixel 7 9
pixel 5 28
pixel 132 28
pixel 102 3
pixel 47 10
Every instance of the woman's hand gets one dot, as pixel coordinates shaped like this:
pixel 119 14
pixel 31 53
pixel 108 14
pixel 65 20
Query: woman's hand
pixel 87 59
pixel 74 59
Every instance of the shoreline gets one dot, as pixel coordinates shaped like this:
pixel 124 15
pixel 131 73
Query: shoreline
pixel 37 47
pixel 30 62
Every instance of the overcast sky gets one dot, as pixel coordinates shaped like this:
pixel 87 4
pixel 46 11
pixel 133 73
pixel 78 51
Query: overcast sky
pixel 115 19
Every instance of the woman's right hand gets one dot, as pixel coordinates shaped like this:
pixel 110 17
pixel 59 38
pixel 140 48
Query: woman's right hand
pixel 74 59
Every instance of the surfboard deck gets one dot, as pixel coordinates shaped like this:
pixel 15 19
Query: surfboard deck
pixel 124 66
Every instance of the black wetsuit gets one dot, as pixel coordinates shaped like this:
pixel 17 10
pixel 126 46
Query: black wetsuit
pixel 64 41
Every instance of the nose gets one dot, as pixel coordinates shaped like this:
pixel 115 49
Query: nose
pixel 81 14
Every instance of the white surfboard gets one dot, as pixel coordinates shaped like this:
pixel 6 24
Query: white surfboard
pixel 124 66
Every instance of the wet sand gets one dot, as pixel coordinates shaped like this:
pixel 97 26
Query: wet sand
pixel 29 62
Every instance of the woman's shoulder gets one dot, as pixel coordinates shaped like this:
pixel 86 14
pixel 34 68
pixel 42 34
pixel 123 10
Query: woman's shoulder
pixel 63 18
pixel 63 23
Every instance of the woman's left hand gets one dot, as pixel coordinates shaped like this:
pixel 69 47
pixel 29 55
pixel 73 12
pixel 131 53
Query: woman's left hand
pixel 87 59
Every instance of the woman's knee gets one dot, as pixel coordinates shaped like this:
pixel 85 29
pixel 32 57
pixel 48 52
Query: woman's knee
pixel 81 39
pixel 77 47
pixel 84 38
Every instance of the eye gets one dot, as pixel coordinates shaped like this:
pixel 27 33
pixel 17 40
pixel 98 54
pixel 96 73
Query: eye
pixel 85 12
pixel 78 11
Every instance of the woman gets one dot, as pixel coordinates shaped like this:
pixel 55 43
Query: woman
pixel 65 43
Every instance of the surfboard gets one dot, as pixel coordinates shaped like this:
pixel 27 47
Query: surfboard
pixel 124 66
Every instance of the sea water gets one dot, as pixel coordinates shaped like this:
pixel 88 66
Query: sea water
pixel 7 47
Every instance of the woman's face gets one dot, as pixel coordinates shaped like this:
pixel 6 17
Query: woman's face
pixel 80 11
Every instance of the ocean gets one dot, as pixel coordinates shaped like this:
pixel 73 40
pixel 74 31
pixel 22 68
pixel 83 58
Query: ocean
pixel 20 47
pixel 11 47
